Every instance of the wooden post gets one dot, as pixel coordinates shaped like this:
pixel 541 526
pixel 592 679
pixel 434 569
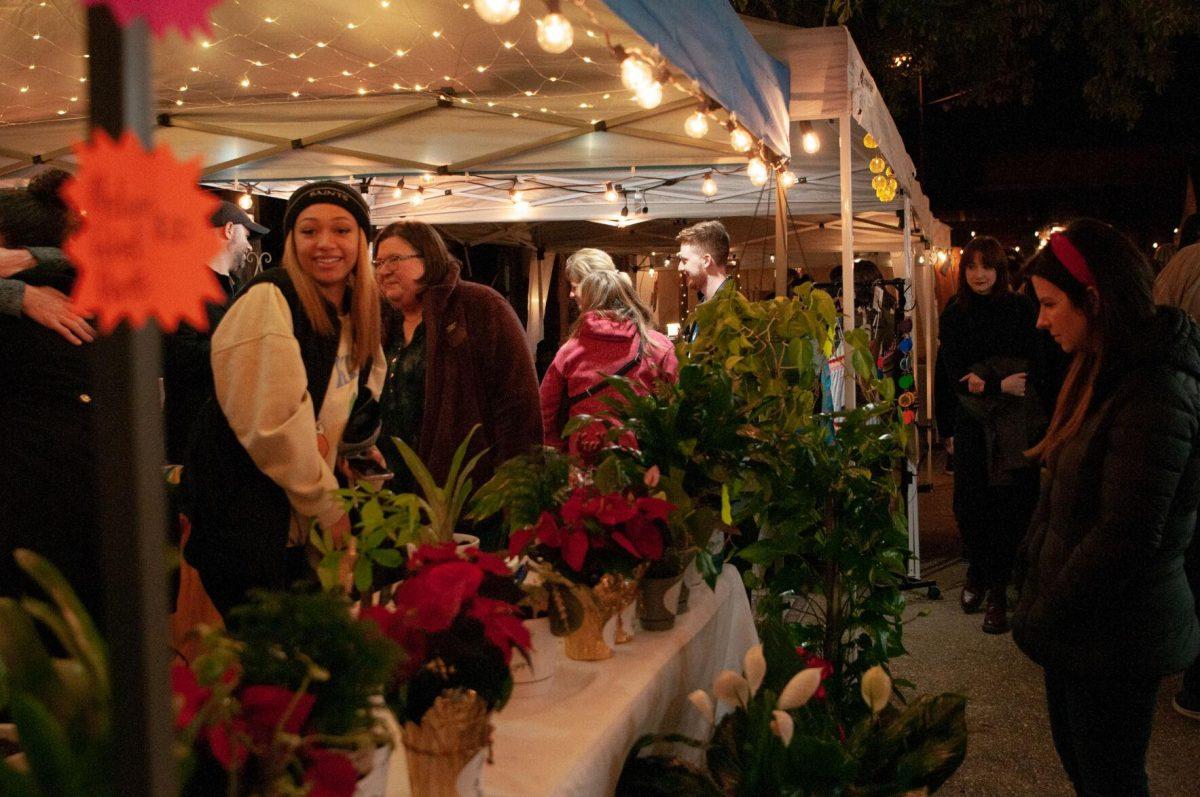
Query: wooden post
pixel 847 206
pixel 131 514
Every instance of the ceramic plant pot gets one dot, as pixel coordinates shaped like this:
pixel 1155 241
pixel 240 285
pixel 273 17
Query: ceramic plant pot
pixel 534 675
pixel 659 602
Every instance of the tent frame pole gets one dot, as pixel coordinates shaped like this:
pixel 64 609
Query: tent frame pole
pixel 130 503
pixel 781 236
pixel 914 528
pixel 846 175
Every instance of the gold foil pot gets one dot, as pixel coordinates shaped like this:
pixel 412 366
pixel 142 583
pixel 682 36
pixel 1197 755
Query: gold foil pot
pixel 450 734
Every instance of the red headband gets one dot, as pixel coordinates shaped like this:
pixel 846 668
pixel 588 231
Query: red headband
pixel 1072 259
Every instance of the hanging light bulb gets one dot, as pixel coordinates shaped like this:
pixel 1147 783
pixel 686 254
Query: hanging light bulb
pixel 516 195
pixel 497 12
pixel 788 179
pixel 878 182
pixel 869 141
pixel 610 193
pixel 709 186
pixel 810 141
pixel 877 165
pixel 888 171
pixel 942 257
pixel 757 171
pixel 636 72
pixel 892 184
pixel 418 197
pixel 649 96
pixel 696 125
pixel 399 191
pixel 427 178
pixel 740 140
pixel 521 206
pixel 554 33
pixel 246 200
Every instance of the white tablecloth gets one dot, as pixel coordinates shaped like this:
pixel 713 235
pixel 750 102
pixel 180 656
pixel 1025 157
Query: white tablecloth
pixel 571 739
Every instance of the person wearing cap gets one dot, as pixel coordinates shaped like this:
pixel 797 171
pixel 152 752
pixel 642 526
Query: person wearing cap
pixel 187 373
pixel 297 370
pixel 1104 603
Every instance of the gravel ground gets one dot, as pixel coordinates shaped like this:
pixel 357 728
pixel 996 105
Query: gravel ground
pixel 1009 748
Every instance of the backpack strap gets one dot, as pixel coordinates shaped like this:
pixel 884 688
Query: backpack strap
pixel 599 386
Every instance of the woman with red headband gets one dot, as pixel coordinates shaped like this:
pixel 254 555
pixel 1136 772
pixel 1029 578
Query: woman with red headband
pixel 1105 606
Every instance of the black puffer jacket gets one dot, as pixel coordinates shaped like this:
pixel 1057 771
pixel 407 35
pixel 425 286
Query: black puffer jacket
pixel 1101 573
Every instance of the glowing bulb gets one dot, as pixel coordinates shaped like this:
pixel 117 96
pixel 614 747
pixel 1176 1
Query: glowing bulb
pixel 877 165
pixel 635 73
pixel 398 192
pixel 878 182
pixel 740 140
pixel 942 257
pixel 245 82
pixel 888 171
pixel 521 207
pixel 610 193
pixel 246 201
pixel 649 96
pixel 497 12
pixel 554 33
pixel 709 186
pixel 427 178
pixel 810 141
pixel 869 141
pixel 892 185
pixel 757 171
pixel 517 196
pixel 788 179
pixel 696 125
pixel 417 198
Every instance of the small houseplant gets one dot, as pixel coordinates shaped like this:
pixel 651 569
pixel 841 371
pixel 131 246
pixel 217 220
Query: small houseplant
pixel 282 701
pixel 458 620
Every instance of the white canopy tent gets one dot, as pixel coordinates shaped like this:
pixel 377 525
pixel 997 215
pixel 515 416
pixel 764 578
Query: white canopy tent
pixel 424 99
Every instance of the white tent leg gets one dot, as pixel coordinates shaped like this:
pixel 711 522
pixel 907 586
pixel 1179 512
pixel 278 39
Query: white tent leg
pixel 914 527
pixel 847 204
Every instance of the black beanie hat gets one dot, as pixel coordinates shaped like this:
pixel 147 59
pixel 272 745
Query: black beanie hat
pixel 328 192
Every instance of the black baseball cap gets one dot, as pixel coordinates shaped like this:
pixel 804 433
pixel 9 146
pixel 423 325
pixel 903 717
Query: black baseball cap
pixel 229 213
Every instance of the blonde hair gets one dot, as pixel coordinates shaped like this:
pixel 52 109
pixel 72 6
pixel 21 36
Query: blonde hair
pixel 586 261
pixel 364 300
pixel 610 294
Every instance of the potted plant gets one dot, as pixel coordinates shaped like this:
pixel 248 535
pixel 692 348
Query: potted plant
pixel 598 537
pixel 780 734
pixel 283 700
pixel 386 525
pixel 60 735
pixel 457 619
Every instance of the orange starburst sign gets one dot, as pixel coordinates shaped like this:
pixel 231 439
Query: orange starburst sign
pixel 144 239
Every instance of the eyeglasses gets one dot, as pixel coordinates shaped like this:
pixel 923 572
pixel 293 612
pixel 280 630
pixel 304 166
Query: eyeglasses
pixel 393 261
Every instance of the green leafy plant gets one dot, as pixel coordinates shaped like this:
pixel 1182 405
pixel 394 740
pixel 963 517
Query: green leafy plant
pixel 523 487
pixel 784 735
pixel 61 706
pixel 386 523
pixel 820 489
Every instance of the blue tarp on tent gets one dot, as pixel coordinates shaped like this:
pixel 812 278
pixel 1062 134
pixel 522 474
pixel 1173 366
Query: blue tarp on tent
pixel 708 42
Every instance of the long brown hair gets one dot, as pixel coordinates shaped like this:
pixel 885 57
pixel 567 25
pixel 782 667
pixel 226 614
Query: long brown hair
pixel 610 294
pixel 1117 308
pixel 364 300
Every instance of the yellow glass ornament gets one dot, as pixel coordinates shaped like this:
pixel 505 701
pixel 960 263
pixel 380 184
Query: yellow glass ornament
pixel 869 141
pixel 878 182
pixel 877 165
pixel 892 184
pixel 888 171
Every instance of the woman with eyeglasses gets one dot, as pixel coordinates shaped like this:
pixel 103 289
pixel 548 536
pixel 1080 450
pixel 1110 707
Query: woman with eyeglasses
pixel 456 357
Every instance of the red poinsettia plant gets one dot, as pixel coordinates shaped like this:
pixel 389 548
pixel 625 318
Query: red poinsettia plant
pixel 279 702
pixel 595 532
pixel 458 620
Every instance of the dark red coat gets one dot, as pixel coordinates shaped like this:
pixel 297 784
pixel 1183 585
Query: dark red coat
pixel 478 370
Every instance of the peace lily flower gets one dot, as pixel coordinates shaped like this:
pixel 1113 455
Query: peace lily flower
pixel 754 665
pixel 704 705
pixel 800 689
pixel 783 726
pixel 732 688
pixel 876 689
